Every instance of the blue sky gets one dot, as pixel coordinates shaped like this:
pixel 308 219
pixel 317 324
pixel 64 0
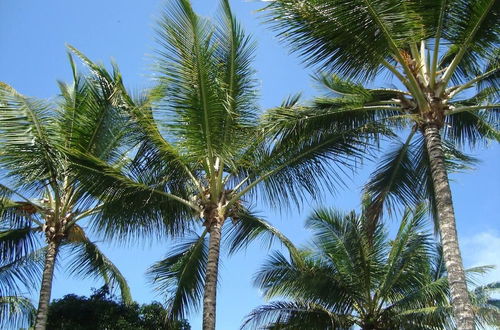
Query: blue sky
pixel 33 35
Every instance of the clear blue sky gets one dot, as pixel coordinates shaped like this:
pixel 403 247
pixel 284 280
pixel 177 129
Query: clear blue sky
pixel 33 35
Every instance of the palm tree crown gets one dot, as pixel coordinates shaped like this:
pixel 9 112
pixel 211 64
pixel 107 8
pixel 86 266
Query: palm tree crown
pixel 40 200
pixel 351 276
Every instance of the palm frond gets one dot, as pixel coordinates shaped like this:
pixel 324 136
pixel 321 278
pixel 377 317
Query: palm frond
pixel 487 306
pixel 134 202
pixel 235 52
pixel 186 63
pixel 293 167
pixel 17 243
pixel 23 273
pixel 295 315
pixel 17 210
pixel 471 28
pixel 351 106
pixel 87 260
pixel 487 79
pixel 181 275
pixel 16 312
pixel 403 178
pixel 394 182
pixel 28 151
pixel 247 227
pixel 92 117
pixel 329 33
pixel 408 258
pixel 157 156
pixel 473 127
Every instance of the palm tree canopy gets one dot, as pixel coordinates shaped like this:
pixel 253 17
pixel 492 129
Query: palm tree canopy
pixel 39 197
pixel 329 33
pixel 438 51
pixel 350 276
pixel 201 144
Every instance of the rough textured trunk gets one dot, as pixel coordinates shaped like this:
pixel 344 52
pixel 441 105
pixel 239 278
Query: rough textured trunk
pixel 210 295
pixel 462 308
pixel 46 289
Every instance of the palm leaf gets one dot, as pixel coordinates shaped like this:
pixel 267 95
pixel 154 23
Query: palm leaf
pixel 88 260
pixel 329 33
pixel 394 182
pixel 181 275
pixel 28 152
pixel 295 315
pixel 134 202
pixel 16 312
pixel 247 227
pixel 471 27
pixel 472 127
pixel 290 168
pixel 23 272
pixel 92 117
pixel 186 59
pixel 235 52
pixel 17 243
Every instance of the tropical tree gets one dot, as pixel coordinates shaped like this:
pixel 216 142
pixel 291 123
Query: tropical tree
pixel 438 52
pixel 40 200
pixel 202 154
pixel 351 276
pixel 102 311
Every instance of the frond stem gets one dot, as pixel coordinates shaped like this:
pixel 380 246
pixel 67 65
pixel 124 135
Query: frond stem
pixel 464 46
pixel 457 89
pixel 413 84
pixel 471 108
pixel 437 39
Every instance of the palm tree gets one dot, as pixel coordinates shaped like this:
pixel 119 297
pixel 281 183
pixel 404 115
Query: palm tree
pixel 437 51
pixel 351 276
pixel 40 200
pixel 202 154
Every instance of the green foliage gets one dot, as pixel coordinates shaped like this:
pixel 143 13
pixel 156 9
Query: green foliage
pixel 18 278
pixel 101 311
pixel 329 34
pixel 200 150
pixel 437 51
pixel 40 200
pixel 351 275
pixel 181 275
pixel 16 312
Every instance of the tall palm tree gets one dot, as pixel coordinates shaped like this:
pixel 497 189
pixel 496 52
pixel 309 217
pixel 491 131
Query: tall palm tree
pixel 351 276
pixel 437 51
pixel 202 155
pixel 40 200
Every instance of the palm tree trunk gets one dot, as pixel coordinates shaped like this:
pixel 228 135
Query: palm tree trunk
pixel 462 308
pixel 210 295
pixel 46 289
